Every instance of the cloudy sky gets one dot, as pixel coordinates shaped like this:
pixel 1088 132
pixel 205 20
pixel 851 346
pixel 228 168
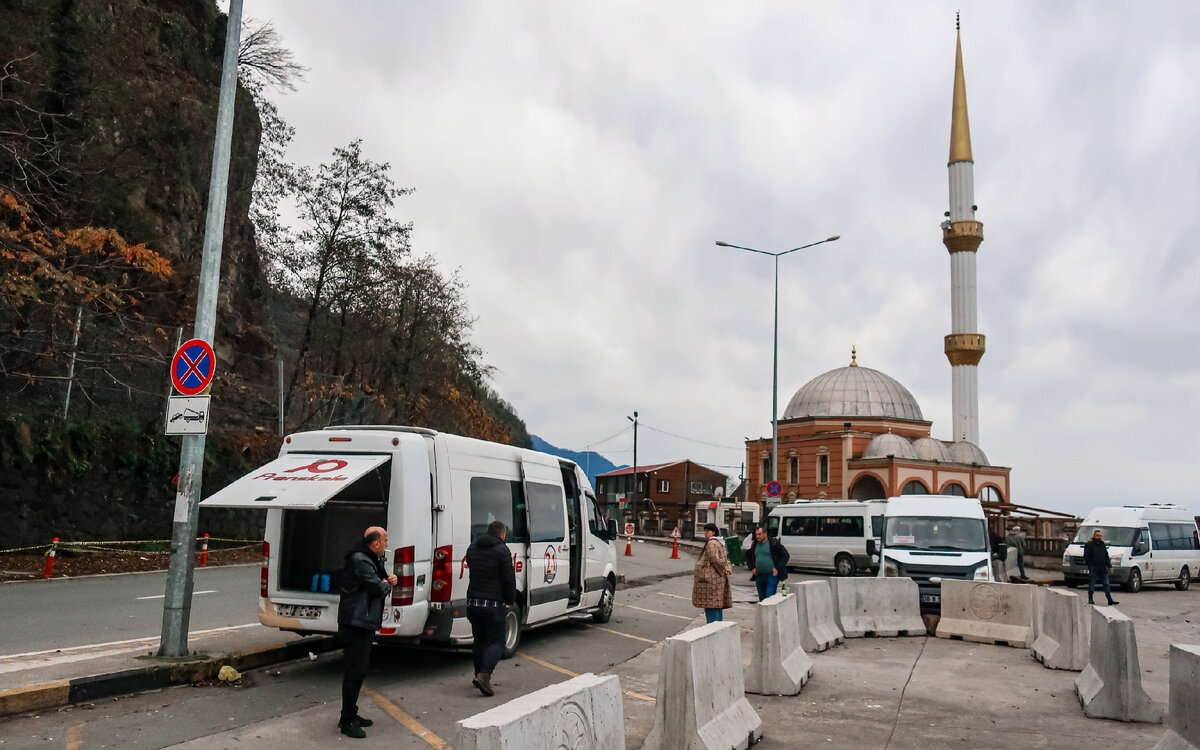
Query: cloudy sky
pixel 578 160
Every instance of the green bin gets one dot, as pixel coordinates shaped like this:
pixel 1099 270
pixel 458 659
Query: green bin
pixel 733 546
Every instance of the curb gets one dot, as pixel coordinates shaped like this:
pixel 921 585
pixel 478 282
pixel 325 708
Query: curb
pixel 84 689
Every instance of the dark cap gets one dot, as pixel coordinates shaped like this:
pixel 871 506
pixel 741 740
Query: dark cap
pixel 712 527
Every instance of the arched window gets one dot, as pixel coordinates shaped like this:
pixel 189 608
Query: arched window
pixel 954 488
pixel 867 488
pixel 990 494
pixel 914 487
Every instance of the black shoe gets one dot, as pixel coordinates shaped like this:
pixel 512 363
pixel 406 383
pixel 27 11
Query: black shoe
pixel 1113 604
pixel 360 721
pixel 352 729
pixel 1090 601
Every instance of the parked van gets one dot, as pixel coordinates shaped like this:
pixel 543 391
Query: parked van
pixel 726 514
pixel 929 538
pixel 434 493
pixel 1146 543
pixel 828 535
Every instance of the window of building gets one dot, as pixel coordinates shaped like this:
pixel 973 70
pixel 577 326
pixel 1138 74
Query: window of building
pixel 766 470
pixel 664 486
pixel 499 500
pixel 914 487
pixel 956 489
pixel 989 494
pixel 793 470
pixel 823 469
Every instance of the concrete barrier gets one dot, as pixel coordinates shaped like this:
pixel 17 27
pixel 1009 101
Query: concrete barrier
pixel 1011 569
pixel 778 664
pixel 1061 640
pixel 1110 686
pixel 984 612
pixel 1183 719
pixel 877 606
pixel 701 696
pixel 583 712
pixel 814 602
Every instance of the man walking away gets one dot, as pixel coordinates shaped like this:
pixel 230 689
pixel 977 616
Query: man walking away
pixel 492 590
pixel 1016 540
pixel 768 559
pixel 1095 554
pixel 710 577
pixel 365 584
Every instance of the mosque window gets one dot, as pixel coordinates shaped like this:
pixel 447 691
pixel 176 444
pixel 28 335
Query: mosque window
pixel 822 469
pixel 793 470
pixel 766 470
pixel 914 487
pixel 954 488
pixel 990 495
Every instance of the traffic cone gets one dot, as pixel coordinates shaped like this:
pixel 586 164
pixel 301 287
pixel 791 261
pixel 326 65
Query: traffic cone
pixel 675 548
pixel 50 559
pixel 629 546
pixel 204 551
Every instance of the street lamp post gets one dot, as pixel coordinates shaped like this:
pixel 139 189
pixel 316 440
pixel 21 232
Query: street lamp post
pixel 775 357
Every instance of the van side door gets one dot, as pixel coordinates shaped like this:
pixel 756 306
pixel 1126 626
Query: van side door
pixel 548 564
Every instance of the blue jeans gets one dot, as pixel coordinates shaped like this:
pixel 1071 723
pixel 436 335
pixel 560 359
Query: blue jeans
pixel 1021 564
pixel 1102 574
pixel 767 584
pixel 713 614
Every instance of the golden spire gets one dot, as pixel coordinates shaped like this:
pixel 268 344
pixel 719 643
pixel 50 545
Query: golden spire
pixel 960 130
pixel 853 356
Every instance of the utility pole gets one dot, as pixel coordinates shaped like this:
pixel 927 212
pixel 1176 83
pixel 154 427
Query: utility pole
pixel 633 490
pixel 177 602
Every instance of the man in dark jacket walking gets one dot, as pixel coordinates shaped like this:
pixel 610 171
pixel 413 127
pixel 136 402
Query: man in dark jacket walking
pixel 365 584
pixel 1095 554
pixel 768 559
pixel 492 590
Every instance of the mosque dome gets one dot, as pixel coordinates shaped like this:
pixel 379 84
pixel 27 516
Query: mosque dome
pixel 930 449
pixel 889 444
pixel 965 452
pixel 853 391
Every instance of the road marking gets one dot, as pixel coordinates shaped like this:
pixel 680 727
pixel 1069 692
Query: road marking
pixel 625 635
pixel 413 725
pixel 569 673
pixel 74 737
pixel 675 596
pixel 148 640
pixel 160 596
pixel 656 612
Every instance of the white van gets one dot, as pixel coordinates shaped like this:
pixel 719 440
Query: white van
pixel 932 537
pixel 828 534
pixel 1146 543
pixel 434 493
pixel 726 514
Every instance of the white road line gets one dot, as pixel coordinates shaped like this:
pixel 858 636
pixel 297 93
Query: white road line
pixel 656 612
pixel 160 596
pixel 147 640
pixel 675 596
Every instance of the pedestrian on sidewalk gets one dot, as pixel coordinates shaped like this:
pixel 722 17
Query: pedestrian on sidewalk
pixel 710 584
pixel 493 589
pixel 1016 540
pixel 1095 555
pixel 365 585
pixel 768 559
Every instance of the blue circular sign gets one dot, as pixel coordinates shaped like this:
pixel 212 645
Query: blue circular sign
pixel 774 488
pixel 193 367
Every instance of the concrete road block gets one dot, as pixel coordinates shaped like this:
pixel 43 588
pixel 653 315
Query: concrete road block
pixel 1062 641
pixel 1011 569
pixel 583 712
pixel 778 665
pixel 1183 706
pixel 814 602
pixel 877 606
pixel 701 696
pixel 1110 686
pixel 985 612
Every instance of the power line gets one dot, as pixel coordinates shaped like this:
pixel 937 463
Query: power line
pixel 692 440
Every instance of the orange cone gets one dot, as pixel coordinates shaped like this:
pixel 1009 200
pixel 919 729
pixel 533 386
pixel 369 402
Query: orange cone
pixel 675 548
pixel 629 546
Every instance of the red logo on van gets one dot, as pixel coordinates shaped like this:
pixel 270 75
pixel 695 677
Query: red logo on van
pixel 551 564
pixel 315 467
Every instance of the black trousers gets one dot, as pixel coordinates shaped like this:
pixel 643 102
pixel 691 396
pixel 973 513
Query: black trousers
pixel 487 630
pixel 356 659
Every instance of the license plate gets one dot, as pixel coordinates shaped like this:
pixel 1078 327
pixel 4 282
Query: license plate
pixel 931 599
pixel 298 610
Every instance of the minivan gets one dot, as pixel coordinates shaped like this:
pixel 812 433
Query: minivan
pixel 1146 543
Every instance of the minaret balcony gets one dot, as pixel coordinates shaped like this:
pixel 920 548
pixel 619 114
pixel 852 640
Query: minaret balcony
pixel 965 348
pixel 962 236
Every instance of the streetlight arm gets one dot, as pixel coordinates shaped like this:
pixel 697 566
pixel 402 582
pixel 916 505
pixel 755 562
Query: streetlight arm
pixel 739 247
pixel 784 252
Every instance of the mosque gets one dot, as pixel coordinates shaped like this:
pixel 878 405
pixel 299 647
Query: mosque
pixel 857 433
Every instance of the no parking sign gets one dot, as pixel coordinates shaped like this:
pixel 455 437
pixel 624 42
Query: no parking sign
pixel 193 367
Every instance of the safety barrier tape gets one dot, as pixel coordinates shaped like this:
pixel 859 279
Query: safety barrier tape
pixel 107 546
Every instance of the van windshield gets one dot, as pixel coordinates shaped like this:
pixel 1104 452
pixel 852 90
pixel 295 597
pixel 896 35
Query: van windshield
pixel 934 533
pixel 1113 536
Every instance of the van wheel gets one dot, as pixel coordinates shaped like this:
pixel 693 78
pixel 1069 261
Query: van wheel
pixel 1134 584
pixel 512 632
pixel 844 565
pixel 1185 579
pixel 607 597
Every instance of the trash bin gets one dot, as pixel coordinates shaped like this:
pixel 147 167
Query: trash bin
pixel 733 546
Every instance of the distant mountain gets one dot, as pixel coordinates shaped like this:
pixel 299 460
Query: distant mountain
pixel 590 461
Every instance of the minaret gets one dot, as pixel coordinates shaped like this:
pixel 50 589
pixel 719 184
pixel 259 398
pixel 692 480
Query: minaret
pixel 962 234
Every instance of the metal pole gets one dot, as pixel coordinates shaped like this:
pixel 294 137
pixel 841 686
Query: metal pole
pixel 177 602
pixel 775 386
pixel 633 490
pixel 280 363
pixel 74 351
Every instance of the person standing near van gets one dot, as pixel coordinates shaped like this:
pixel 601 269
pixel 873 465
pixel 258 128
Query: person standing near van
pixel 768 559
pixel 493 589
pixel 1095 555
pixel 710 582
pixel 1016 540
pixel 365 585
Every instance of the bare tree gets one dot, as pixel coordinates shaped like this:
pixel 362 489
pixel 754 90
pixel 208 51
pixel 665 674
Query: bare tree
pixel 263 58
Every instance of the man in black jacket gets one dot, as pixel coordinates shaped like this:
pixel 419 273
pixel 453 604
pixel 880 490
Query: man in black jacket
pixel 365 584
pixel 492 590
pixel 1095 554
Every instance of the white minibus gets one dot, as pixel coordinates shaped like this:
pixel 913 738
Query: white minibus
pixel 434 493
pixel 1156 542
pixel 726 514
pixel 828 535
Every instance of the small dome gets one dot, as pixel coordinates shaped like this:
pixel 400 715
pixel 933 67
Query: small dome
pixel 929 449
pixel 853 392
pixel 889 444
pixel 964 452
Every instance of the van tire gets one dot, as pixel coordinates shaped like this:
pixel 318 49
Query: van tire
pixel 1185 579
pixel 1134 584
pixel 512 632
pixel 604 613
pixel 844 565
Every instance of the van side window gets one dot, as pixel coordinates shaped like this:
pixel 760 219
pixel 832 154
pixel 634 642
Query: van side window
pixel 840 526
pixel 498 500
pixel 1172 535
pixel 546 514
pixel 799 526
pixel 594 518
